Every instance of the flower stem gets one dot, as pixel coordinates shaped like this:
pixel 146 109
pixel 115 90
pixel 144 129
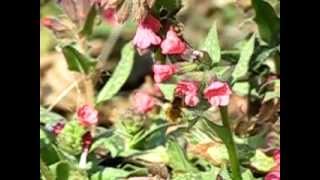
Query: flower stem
pixel 229 142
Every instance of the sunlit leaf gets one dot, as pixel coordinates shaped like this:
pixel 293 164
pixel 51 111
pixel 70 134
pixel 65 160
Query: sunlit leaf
pixel 119 76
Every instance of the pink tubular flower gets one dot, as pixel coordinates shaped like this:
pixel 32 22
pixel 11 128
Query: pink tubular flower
pixel 218 93
pixel 142 102
pixel 86 143
pixel 273 175
pixel 87 115
pixel 188 90
pixel 146 33
pixel 163 72
pixel 173 44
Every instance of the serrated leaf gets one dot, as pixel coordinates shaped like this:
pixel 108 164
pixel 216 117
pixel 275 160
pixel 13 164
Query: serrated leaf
pixel 89 23
pixel 168 91
pixel 77 61
pixel 211 45
pixel 242 66
pixel 267 20
pixel 261 162
pixel 119 76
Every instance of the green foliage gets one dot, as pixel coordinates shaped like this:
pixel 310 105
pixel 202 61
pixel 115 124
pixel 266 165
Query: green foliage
pixel 61 170
pixel 48 152
pixel 242 66
pixel 211 45
pixel 77 61
pixel 268 21
pixel 168 90
pixel 178 160
pixel 111 174
pixel 275 93
pixel 119 76
pixel 89 23
pixel 261 162
pixel 70 138
pixel 115 144
pixel 48 117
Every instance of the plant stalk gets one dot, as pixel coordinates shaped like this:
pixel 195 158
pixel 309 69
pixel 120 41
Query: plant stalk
pixel 229 142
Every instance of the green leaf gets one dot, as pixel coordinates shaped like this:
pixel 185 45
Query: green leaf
pixel 207 175
pixel 267 20
pixel 168 91
pixel 247 175
pixel 110 174
pixel 88 26
pixel 211 45
pixel 242 66
pixel 119 76
pixel 241 88
pixel 263 56
pixel 48 117
pixel 219 153
pixel 273 94
pixel 115 144
pixel 178 159
pixel 172 6
pixel 261 162
pixel 151 138
pixel 47 152
pixel 45 171
pixel 61 170
pixel 77 61
pixel 156 155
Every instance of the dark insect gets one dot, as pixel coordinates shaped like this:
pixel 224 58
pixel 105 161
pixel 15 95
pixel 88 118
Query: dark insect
pixel 173 112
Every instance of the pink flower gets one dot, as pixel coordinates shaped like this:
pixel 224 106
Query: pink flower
pixel 273 175
pixel 146 33
pixel 276 157
pixel 173 44
pixel 163 72
pixel 57 128
pixel 87 115
pixel 142 102
pixel 188 90
pixel 86 140
pixel 110 16
pixel 218 93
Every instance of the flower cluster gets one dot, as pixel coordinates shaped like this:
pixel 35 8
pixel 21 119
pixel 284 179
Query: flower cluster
pixel 171 44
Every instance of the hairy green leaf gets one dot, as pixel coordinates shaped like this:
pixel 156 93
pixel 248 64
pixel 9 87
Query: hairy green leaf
pixel 77 61
pixel 211 45
pixel 242 66
pixel 267 20
pixel 119 76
